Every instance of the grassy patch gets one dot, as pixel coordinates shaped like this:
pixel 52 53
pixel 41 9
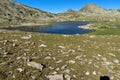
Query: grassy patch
pixel 107 32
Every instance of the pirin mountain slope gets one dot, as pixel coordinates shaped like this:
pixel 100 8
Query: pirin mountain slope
pixel 13 12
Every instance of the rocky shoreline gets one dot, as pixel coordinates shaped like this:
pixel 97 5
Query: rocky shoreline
pixel 87 26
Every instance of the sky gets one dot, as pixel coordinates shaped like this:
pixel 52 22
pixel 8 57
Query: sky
pixel 59 6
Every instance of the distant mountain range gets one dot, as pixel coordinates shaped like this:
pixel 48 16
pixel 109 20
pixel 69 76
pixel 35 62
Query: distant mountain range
pixel 14 13
pixel 91 12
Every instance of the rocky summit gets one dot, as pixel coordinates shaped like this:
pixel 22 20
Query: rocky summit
pixel 92 8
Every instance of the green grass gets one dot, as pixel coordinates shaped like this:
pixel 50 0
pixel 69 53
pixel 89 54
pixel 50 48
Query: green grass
pixel 83 49
pixel 110 31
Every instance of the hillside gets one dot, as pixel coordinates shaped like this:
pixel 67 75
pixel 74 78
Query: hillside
pixel 14 13
pixel 34 56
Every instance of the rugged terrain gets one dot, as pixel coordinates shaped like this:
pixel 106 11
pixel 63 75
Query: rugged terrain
pixel 37 56
pixel 91 12
pixel 16 13
pixel 33 56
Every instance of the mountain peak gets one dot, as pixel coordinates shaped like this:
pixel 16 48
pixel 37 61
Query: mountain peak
pixel 70 11
pixel 92 8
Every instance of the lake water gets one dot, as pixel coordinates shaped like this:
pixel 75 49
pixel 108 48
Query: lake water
pixel 56 28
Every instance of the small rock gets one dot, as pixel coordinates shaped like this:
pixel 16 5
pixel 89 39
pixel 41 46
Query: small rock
pixel 65 35
pixel 99 55
pixel 15 40
pixel 48 57
pixel 74 76
pixel 92 36
pixel 62 47
pixel 55 77
pixel 25 54
pixel 78 57
pixel 36 65
pixel 33 77
pixel 112 77
pixel 94 72
pixel 55 72
pixel 87 73
pixel 5 42
pixel 57 69
pixel 67 71
pixel 43 45
pixel 14 45
pixel 54 58
pixel 59 61
pixel 116 61
pixel 84 56
pixel 51 68
pixel 13 76
pixel 64 66
pixel 111 54
pixel 71 62
pixel 67 77
pixel 96 66
pixel 104 59
pixel 18 58
pixel 26 37
pixel 72 69
pixel 5 53
pixel 108 63
pixel 20 69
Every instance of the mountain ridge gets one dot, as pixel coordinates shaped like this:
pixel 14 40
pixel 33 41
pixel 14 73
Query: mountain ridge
pixel 91 12
pixel 16 13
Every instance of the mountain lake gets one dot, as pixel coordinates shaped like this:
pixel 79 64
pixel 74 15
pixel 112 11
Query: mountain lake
pixel 67 27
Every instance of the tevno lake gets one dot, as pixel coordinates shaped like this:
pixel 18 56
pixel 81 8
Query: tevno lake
pixel 67 27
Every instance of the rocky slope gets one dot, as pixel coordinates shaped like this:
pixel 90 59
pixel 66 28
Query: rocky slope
pixel 91 12
pixel 33 56
pixel 12 12
pixel 16 13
